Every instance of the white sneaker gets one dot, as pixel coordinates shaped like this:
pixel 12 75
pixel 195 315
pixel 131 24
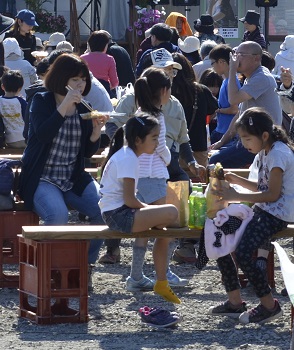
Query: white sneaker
pixel 174 280
pixel 144 284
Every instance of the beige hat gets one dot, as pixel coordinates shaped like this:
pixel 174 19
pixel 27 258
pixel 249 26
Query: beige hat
pixel 190 44
pixel 64 45
pixel 11 46
pixel 39 43
pixel 54 39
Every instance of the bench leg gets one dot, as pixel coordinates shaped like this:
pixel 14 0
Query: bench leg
pixel 53 281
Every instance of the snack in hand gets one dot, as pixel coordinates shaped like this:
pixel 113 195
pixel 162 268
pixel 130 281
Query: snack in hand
pixel 92 115
pixel 40 54
pixel 219 171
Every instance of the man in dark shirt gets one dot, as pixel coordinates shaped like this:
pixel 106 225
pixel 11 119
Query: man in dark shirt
pixel 252 28
pixel 123 62
pixel 161 35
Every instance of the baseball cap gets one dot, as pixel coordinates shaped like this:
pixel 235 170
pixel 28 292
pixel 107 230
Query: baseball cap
pixel 162 58
pixel 64 45
pixel 28 17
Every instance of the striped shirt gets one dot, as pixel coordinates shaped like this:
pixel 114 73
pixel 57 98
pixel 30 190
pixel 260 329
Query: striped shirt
pixel 154 165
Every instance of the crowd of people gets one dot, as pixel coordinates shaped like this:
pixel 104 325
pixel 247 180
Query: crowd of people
pixel 183 82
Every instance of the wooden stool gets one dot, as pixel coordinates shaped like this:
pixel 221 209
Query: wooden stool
pixel 53 283
pixel 11 223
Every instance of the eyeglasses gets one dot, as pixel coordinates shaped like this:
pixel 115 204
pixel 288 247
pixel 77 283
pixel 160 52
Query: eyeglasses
pixel 213 62
pixel 242 54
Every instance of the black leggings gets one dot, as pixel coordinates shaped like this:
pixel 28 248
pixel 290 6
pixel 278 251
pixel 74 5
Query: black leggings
pixel 260 229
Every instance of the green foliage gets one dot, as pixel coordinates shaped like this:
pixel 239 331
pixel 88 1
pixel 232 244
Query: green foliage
pixel 36 5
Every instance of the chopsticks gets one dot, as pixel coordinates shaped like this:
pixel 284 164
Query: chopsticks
pixel 86 104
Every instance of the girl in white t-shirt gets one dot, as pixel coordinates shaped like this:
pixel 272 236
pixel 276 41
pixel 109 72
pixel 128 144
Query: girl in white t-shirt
pixel 273 195
pixel 152 90
pixel 121 209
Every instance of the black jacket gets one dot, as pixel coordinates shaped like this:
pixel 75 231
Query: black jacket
pixel 45 121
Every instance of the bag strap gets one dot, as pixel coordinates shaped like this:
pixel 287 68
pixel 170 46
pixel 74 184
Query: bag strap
pixel 195 107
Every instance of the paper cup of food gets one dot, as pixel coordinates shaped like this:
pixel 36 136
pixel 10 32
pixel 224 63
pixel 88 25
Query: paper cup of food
pixel 40 54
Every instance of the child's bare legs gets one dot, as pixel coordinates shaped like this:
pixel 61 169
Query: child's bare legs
pixel 158 216
pixel 154 216
pixel 139 250
pixel 161 287
pixel 160 251
pixel 235 297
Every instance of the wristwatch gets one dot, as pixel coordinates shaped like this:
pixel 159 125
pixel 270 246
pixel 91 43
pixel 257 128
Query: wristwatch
pixel 192 162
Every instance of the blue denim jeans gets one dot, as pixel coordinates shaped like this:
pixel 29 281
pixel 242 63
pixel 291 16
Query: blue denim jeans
pixel 51 204
pixel 233 156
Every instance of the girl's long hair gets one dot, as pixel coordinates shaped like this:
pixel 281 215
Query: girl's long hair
pixel 184 84
pixel 15 29
pixel 255 121
pixel 148 89
pixel 137 127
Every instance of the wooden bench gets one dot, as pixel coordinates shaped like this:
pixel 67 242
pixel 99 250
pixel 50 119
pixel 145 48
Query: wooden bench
pixel 53 266
pixel 10 151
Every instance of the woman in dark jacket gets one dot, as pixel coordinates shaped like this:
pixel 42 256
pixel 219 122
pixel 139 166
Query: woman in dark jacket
pixel 53 175
pixel 22 32
pixel 198 97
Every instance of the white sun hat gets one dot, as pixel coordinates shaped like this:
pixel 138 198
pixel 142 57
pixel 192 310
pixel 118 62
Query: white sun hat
pixel 190 44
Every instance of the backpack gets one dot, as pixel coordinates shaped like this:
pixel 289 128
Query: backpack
pixel 7 178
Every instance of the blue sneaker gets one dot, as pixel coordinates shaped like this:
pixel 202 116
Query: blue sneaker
pixel 174 280
pixel 147 309
pixel 144 284
pixel 158 317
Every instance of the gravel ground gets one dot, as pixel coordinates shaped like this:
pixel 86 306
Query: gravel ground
pixel 115 323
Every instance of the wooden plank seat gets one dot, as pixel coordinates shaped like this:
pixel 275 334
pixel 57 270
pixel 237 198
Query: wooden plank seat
pixel 10 151
pixel 15 156
pixel 53 268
